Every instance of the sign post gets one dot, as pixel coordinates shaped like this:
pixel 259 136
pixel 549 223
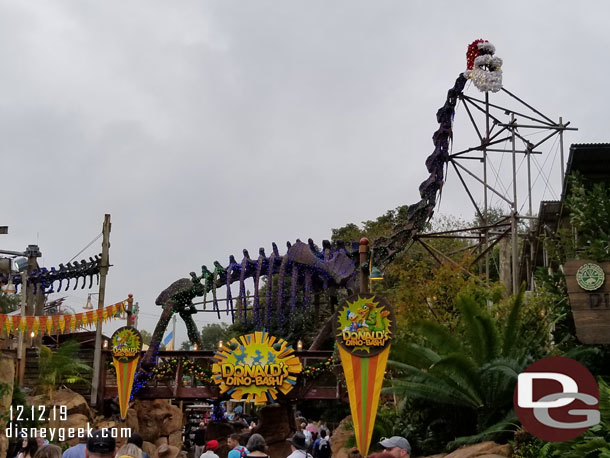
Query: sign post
pixel 589 293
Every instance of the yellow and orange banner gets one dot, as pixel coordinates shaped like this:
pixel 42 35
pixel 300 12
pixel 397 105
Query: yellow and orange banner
pixel 58 324
pixel 126 347
pixel 364 326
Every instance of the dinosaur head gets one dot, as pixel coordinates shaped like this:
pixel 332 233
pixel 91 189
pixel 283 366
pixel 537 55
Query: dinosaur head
pixel 483 67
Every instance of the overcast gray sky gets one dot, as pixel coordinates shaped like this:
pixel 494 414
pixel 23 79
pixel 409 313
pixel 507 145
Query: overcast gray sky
pixel 206 127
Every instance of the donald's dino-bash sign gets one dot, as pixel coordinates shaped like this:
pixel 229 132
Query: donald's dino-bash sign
pixel 126 347
pixel 364 325
pixel 255 367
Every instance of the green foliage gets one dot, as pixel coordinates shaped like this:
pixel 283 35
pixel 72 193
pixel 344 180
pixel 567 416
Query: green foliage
pixel 473 369
pixel 387 423
pixel 595 442
pixel 9 302
pixel 146 336
pixel 381 227
pixel 588 236
pixel 61 366
pixel 212 333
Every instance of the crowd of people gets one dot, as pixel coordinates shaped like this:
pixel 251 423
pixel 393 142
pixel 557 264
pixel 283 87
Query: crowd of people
pixel 303 444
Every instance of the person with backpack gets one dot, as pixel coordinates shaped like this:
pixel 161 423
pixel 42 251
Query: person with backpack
pixel 321 447
pixel 237 450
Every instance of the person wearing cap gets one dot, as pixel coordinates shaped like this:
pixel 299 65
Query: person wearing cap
pixel 299 446
pixel 398 446
pixel 100 445
pixel 137 440
pixel 210 450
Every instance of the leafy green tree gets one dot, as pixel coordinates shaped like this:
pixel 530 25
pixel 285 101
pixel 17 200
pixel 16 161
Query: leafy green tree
pixel 475 374
pixel 212 333
pixel 588 235
pixel 146 336
pixel 9 302
pixel 61 366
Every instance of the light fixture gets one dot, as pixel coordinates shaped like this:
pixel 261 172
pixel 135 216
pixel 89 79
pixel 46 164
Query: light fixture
pixel 220 344
pixel 105 344
pixel 88 305
pixel 194 347
pixel 32 334
pixel 300 345
pixel 375 274
pixel 20 264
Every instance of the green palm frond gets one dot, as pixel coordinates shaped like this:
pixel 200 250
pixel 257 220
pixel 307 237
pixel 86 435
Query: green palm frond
pixel 489 336
pixel 461 371
pixel 432 388
pixel 604 403
pixel 472 327
pixel 506 425
pixel 438 336
pixel 418 356
pixel 511 333
pixel 61 366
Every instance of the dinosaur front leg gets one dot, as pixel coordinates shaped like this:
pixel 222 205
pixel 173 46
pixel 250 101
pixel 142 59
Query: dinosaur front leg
pixel 157 336
pixel 191 329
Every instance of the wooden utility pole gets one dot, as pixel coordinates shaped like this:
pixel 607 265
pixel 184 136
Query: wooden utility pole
pixel 20 338
pixel 365 268
pixel 97 355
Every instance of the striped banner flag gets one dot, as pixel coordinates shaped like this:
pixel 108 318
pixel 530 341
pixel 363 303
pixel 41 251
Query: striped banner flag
pixel 364 326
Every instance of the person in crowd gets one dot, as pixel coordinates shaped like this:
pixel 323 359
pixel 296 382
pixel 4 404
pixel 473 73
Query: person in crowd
pixel 308 437
pixel 239 419
pixel 137 440
pixel 298 446
pixel 129 451
pixel 210 450
pixel 41 441
pixel 28 448
pixel 168 451
pixel 397 446
pixel 76 451
pixel 321 446
pixel 237 450
pixel 199 440
pixel 100 445
pixel 257 447
pixel 48 451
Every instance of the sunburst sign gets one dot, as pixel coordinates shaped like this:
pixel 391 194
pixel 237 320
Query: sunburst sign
pixel 255 367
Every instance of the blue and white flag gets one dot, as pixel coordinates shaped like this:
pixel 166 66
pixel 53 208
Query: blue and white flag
pixel 167 340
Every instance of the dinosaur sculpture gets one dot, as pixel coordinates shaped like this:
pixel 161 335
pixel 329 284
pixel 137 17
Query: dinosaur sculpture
pixel 46 278
pixel 309 269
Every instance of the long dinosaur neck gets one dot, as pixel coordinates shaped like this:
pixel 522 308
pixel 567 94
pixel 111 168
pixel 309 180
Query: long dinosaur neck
pixel 418 215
